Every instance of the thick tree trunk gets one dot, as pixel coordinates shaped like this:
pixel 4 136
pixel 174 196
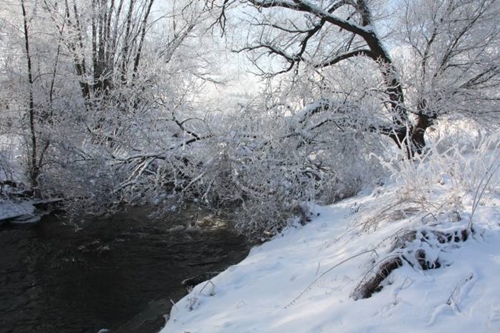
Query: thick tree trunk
pixel 425 120
pixel 406 135
pixel 411 138
pixel 417 135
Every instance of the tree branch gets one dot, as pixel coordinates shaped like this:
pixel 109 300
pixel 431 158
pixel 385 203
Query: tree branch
pixel 347 55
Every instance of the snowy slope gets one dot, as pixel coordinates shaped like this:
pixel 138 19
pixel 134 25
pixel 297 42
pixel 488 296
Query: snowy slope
pixel 307 279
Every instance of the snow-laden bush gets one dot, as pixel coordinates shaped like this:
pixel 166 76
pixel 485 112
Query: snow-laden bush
pixel 88 186
pixel 265 163
pixel 462 162
pixel 271 166
pixel 431 208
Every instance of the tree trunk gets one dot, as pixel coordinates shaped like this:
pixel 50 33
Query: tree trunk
pixel 34 170
pixel 425 120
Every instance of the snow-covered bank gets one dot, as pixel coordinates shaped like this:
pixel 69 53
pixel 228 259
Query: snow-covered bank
pixel 307 279
pixel 26 211
pixel 11 210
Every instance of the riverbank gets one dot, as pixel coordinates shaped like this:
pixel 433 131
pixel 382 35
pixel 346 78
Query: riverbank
pixel 26 211
pixel 10 210
pixel 399 257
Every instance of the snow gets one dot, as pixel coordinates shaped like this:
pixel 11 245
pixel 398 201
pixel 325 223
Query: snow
pixel 10 210
pixel 307 278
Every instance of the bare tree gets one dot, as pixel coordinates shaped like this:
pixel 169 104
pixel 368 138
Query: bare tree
pixel 453 63
pixel 99 82
pixel 328 34
pixel 36 114
pixel 33 161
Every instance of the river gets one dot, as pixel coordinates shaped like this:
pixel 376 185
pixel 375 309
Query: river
pixel 119 273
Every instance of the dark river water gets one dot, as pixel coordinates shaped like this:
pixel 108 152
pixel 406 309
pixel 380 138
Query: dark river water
pixel 111 274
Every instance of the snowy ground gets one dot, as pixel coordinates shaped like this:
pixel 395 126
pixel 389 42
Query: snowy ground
pixel 307 279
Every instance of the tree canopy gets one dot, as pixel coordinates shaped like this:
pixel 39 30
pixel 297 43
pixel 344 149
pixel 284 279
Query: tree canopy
pixel 119 100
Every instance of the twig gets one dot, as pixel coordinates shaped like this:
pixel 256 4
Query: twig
pixel 174 306
pixel 323 274
pixel 206 284
pixel 317 269
pixel 480 191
